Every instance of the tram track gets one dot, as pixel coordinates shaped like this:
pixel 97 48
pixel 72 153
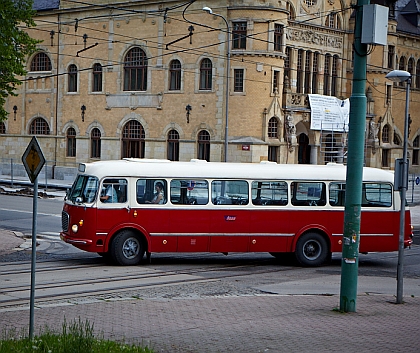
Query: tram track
pixel 100 285
pixel 69 286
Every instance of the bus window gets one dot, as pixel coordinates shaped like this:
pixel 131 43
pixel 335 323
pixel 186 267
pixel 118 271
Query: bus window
pixel 376 195
pixel 337 194
pixel 229 192
pixel 308 194
pixel 84 189
pixel 151 191
pixel 189 192
pixel 272 193
pixel 114 191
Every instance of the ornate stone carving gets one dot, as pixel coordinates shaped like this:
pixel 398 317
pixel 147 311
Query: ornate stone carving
pixel 309 36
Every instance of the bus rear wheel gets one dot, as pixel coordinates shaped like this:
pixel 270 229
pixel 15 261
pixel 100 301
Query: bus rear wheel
pixel 127 248
pixel 312 250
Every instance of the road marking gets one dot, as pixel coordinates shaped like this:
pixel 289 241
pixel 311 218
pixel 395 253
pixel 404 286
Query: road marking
pixel 38 213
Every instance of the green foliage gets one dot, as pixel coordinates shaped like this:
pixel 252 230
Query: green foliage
pixel 76 337
pixel 15 46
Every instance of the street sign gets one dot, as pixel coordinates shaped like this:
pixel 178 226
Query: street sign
pixel 33 159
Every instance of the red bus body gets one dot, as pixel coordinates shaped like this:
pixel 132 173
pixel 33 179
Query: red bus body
pixel 227 228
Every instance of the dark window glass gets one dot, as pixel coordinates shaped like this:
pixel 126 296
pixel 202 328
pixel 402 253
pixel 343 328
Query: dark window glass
pixel 239 35
pixel 2 128
pixel 135 70
pixel 133 140
pixel 204 145
pixel 278 37
pixel 239 80
pixel 273 153
pixel 391 55
pixel 229 192
pixel 71 142
pixel 287 63
pixel 276 81
pixel 39 127
pixel 95 138
pixel 273 128
pixel 315 73
pixel 206 74
pixel 385 134
pixel 41 62
pixel 334 76
pixel 308 194
pixel 299 76
pixel 269 193
pixel 97 78
pixel 175 75
pixel 173 145
pixel 72 78
pixel 189 192
pixel 327 75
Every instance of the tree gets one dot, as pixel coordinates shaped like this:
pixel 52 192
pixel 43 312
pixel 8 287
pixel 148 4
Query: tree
pixel 15 46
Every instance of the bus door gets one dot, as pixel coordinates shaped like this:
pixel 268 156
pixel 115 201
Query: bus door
pixel 189 216
pixel 229 222
pixel 270 219
pixel 151 213
pixel 113 208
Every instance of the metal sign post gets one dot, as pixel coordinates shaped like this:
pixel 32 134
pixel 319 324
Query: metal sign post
pixel 33 160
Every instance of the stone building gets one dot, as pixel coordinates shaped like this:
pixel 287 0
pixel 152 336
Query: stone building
pixel 148 79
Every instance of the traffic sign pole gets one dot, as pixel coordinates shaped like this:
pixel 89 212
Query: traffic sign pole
pixel 33 264
pixel 33 161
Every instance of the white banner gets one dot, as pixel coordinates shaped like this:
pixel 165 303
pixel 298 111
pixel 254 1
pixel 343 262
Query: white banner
pixel 329 113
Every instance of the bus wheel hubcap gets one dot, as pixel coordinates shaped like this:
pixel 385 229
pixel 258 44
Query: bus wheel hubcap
pixel 312 249
pixel 131 248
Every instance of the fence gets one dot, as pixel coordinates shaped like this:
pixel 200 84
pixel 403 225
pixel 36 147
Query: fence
pixel 13 170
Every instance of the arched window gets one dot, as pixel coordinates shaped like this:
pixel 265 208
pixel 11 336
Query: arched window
pixel 416 149
pixel 385 134
pixel 417 78
pixel 175 75
pixel 206 74
pixel 333 21
pixel 39 127
pixel 327 75
pixel 299 74
pixel 71 142
pixel 287 64
pixel 397 139
pixel 2 128
pixel 135 70
pixel 334 75
pixel 97 78
pixel 315 73
pixel 133 140
pixel 95 140
pixel 203 145
pixel 273 132
pixel 173 145
pixel 41 62
pixel 401 66
pixel 72 78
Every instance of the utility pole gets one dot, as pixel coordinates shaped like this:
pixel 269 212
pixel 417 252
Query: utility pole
pixel 354 177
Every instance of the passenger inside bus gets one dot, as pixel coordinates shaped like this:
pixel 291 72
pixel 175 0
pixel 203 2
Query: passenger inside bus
pixel 110 194
pixel 159 197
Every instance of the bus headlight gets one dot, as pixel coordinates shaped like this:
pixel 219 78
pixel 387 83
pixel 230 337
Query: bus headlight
pixel 74 228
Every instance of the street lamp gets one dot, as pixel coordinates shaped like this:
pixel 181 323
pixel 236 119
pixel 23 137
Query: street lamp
pixel 402 76
pixel 210 12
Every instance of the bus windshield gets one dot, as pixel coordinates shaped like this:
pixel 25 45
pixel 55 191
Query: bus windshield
pixel 84 189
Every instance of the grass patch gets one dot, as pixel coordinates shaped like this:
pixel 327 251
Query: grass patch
pixel 75 337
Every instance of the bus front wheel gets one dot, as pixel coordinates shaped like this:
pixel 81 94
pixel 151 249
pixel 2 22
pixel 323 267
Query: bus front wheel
pixel 311 250
pixel 127 248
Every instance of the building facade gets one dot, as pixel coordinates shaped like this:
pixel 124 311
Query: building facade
pixel 148 79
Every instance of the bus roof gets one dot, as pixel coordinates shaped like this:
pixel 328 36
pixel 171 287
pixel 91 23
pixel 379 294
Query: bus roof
pixel 199 169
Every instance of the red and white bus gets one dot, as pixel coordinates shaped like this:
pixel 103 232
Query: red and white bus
pixel 225 207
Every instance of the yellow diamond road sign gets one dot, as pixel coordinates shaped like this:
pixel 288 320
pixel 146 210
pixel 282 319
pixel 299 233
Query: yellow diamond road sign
pixel 33 159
